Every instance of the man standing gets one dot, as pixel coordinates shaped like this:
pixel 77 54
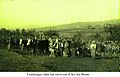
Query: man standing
pixel 52 54
pixel 9 43
pixel 35 46
pixel 56 46
pixel 93 49
pixel 66 50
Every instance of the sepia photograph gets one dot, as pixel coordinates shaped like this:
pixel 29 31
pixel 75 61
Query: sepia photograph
pixel 59 35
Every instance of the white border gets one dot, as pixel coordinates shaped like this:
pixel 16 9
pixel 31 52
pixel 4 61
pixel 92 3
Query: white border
pixel 59 74
pixel 91 74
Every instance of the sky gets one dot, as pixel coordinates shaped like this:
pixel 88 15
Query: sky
pixel 44 13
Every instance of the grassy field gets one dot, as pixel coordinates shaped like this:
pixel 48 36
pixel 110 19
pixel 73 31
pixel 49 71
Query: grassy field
pixel 12 61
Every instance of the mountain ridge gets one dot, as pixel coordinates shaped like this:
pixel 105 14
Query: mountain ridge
pixel 79 25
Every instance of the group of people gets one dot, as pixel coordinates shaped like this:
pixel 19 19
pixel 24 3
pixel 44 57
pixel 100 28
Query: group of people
pixel 105 49
pixel 81 48
pixel 56 46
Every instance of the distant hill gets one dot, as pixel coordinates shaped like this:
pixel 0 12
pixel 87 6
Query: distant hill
pixel 77 25
pixel 85 28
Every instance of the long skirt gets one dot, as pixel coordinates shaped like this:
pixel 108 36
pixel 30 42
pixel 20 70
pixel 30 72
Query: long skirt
pixel 65 52
pixel 52 54
pixel 93 53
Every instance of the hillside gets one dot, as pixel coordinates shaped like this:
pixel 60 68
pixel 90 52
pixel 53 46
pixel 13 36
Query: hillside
pixel 77 25
pixel 85 28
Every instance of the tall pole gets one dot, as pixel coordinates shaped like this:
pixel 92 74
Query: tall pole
pixel 117 11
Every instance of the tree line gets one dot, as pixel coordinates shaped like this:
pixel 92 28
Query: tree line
pixel 23 33
pixel 110 32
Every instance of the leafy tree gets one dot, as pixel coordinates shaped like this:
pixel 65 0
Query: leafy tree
pixel 3 32
pixel 114 31
pixel 31 33
pixel 24 33
pixel 9 32
pixel 18 31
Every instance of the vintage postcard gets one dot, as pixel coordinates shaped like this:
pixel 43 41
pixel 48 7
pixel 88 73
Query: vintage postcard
pixel 59 36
